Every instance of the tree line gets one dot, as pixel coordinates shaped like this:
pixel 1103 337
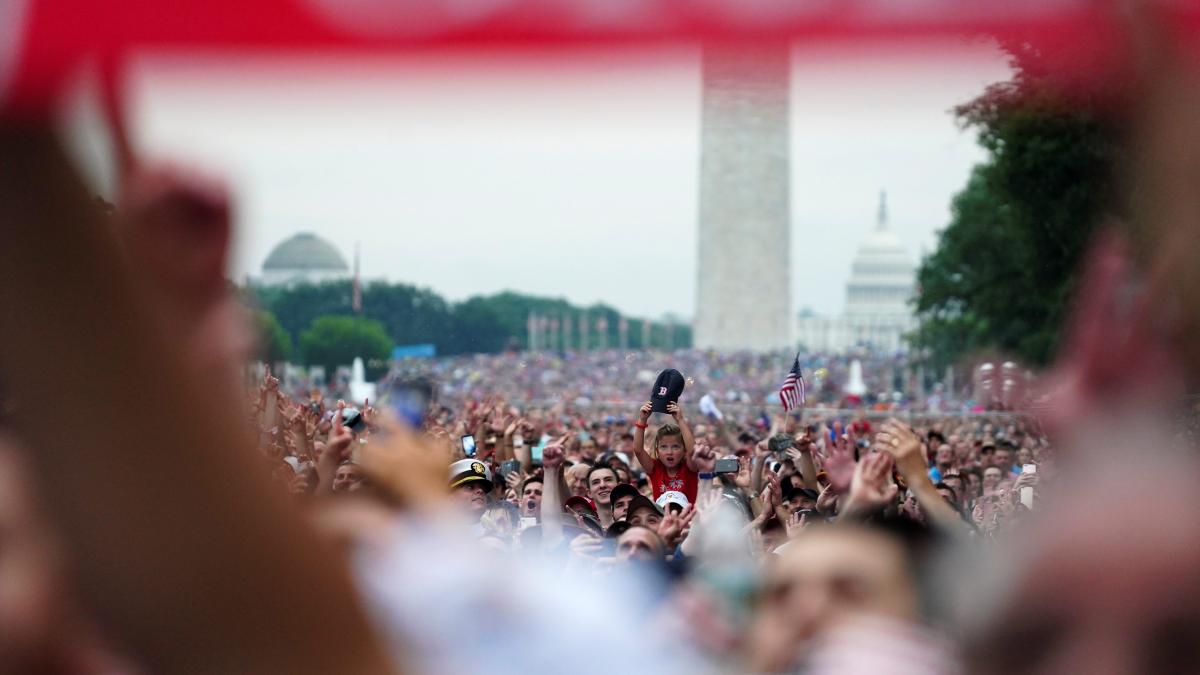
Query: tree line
pixel 316 324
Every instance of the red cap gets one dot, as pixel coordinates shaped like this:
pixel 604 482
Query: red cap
pixel 581 501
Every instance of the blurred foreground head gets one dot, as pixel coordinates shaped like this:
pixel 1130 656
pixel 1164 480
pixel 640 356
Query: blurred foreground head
pixel 827 578
pixel 1096 584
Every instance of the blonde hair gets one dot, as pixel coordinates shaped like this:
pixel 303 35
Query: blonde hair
pixel 666 430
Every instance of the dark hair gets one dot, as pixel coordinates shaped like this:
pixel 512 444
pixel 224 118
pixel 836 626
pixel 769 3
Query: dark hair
pixel 935 434
pixel 600 467
pixel 535 478
pixel 617 529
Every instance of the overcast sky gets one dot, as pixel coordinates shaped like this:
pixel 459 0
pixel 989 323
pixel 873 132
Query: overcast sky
pixel 557 173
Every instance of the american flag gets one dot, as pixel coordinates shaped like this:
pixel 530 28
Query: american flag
pixel 791 394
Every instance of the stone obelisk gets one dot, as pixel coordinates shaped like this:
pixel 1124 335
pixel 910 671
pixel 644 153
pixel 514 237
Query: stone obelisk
pixel 744 270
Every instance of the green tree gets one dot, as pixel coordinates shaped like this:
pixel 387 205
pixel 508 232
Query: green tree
pixel 1005 268
pixel 298 306
pixel 334 341
pixel 413 315
pixel 274 343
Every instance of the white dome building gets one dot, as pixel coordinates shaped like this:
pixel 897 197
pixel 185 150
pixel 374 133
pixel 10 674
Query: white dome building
pixel 877 314
pixel 303 259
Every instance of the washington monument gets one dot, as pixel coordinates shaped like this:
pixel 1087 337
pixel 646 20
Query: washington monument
pixel 744 270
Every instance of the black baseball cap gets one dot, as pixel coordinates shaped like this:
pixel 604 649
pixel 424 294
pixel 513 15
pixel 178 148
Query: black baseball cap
pixel 622 490
pixel 788 492
pixel 616 529
pixel 667 389
pixel 642 502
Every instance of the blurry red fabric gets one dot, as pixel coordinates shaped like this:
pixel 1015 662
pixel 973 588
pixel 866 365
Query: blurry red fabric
pixel 58 35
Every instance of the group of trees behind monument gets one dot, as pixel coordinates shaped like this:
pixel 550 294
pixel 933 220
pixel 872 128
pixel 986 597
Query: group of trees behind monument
pixel 1004 272
pixel 316 324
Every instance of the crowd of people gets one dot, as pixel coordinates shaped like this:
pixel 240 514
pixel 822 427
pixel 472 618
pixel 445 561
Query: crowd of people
pixel 672 498
pixel 739 381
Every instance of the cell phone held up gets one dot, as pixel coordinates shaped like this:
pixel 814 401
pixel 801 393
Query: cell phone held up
pixel 1027 492
pixel 726 466
pixel 468 445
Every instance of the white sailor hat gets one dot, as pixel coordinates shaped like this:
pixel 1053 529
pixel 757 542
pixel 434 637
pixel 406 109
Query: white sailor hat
pixel 470 470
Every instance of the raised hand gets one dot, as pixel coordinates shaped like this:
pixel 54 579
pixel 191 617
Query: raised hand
pixel 903 444
pixel 978 513
pixel 291 413
pixel 803 442
pixel 553 454
pixel 1023 481
pixel 673 526
pixel 704 459
pixel 269 382
pixel 644 412
pixel 409 465
pixel 370 414
pixel 675 411
pixel 770 496
pixel 743 479
pixel 514 426
pixel 763 449
pixel 706 505
pixel 872 487
pixel 340 437
pixel 840 468
pixel 796 524
pixel 827 500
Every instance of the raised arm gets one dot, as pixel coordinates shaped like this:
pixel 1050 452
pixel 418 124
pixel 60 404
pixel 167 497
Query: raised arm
pixel 639 439
pixel 762 453
pixel 337 449
pixel 802 454
pixel 689 441
pixel 552 503
pixel 904 445
pixel 872 488
pixel 192 576
pixel 703 459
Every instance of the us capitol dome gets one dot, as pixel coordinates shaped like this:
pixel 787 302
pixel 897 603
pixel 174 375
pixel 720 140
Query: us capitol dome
pixel 304 258
pixel 876 315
